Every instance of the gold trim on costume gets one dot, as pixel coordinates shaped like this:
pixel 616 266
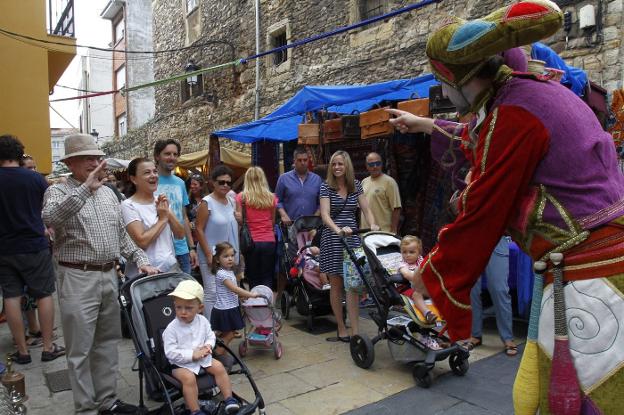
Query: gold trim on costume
pixel 448 294
pixel 488 139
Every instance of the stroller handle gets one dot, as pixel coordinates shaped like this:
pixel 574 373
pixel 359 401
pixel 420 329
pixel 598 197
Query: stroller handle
pixel 356 232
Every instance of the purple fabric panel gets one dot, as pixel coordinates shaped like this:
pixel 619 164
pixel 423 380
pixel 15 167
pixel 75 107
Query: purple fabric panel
pixel 516 59
pixel 580 168
pixel 439 150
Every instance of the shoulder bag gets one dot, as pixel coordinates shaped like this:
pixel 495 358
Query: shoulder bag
pixel 246 242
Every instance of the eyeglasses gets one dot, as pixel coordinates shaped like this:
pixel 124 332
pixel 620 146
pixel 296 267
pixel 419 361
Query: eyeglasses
pixel 224 183
pixel 374 164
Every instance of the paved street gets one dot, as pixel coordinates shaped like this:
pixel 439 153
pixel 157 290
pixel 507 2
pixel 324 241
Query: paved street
pixel 315 376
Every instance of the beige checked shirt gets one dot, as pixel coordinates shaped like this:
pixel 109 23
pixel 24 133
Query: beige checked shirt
pixel 88 228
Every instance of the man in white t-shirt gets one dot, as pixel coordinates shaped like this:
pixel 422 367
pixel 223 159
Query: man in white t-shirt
pixel 383 196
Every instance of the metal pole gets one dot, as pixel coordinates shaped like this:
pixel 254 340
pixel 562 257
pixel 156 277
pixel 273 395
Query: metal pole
pixel 257 91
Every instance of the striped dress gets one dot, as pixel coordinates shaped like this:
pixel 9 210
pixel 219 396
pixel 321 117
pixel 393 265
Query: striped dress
pixel 331 247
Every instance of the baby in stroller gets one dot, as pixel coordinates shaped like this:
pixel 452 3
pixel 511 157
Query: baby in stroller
pixel 188 344
pixel 311 258
pixel 409 268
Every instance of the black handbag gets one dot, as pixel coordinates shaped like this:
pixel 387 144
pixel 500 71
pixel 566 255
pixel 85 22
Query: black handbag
pixel 246 242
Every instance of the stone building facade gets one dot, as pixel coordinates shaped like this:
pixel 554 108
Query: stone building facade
pixel 390 49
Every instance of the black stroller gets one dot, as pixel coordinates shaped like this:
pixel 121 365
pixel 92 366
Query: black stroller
pixel 304 289
pixel 148 310
pixel 403 334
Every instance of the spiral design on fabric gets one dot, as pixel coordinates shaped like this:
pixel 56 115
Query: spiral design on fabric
pixel 592 331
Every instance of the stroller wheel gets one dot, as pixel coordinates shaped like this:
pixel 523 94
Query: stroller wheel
pixel 362 351
pixel 277 349
pixel 285 305
pixel 242 349
pixel 458 364
pixel 422 376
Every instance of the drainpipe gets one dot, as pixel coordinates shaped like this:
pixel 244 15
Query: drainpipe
pixel 257 91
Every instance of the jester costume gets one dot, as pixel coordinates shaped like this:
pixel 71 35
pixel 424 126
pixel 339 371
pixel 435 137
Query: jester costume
pixel 545 172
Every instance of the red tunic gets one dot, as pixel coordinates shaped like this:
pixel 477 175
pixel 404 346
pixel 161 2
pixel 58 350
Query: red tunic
pixel 511 142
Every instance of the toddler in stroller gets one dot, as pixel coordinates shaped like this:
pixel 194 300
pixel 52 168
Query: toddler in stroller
pixel 189 342
pixel 409 268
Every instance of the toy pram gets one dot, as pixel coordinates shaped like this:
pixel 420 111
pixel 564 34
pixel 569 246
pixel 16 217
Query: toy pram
pixel 304 289
pixel 262 323
pixel 403 334
pixel 148 310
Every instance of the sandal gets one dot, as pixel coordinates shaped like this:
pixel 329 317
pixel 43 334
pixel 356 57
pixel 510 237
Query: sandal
pixel 430 317
pixel 21 359
pixel 339 338
pixel 473 343
pixel 57 351
pixel 511 350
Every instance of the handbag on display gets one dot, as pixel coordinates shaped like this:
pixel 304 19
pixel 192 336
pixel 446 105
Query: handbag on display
pixel 438 103
pixel 376 123
pixel 418 107
pixel 246 242
pixel 308 131
pixel 351 126
pixel 332 130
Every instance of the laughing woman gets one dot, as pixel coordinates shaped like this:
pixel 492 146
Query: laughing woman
pixel 340 197
pixel 148 219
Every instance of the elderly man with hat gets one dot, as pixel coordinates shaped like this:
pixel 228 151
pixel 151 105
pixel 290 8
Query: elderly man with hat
pixel 545 172
pixel 89 238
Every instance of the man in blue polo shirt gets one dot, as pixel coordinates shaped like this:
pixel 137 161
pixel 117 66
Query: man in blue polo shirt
pixel 298 190
pixel 166 153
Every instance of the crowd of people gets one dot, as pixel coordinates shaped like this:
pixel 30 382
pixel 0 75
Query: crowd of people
pixel 162 224
pixel 525 135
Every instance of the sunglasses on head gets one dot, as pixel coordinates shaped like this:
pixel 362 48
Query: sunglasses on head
pixel 224 183
pixel 374 164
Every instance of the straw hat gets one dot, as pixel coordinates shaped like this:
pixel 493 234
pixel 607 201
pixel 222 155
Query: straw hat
pixel 81 145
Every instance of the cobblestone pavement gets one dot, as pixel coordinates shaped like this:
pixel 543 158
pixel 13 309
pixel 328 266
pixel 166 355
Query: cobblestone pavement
pixel 313 376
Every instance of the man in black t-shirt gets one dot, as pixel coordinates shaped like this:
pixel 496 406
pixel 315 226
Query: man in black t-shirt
pixel 25 258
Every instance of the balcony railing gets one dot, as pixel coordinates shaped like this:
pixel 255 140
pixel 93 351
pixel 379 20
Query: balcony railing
pixel 61 18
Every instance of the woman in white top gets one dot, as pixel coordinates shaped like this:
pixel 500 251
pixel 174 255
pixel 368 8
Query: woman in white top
pixel 215 223
pixel 149 221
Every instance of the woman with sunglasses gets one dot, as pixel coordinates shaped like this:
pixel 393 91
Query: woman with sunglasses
pixel 196 190
pixel 215 223
pixel 260 205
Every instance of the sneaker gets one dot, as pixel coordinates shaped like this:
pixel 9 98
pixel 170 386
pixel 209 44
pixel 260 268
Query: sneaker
pixel 231 405
pixel 120 407
pixel 367 302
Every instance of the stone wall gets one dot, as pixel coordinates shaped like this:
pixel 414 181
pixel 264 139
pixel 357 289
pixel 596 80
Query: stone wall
pixel 391 49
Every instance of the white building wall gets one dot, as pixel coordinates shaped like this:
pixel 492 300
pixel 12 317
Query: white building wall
pixel 97 112
pixel 141 103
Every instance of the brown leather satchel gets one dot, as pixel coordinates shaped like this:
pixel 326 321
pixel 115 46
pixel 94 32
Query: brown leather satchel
pixel 351 126
pixel 418 107
pixel 375 123
pixel 332 130
pixel 308 132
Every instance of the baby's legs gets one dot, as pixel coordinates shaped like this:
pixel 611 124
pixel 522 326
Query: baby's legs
pixel 418 295
pixel 189 387
pixel 221 377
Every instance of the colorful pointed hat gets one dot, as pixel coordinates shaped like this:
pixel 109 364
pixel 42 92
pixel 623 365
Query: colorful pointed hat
pixel 459 48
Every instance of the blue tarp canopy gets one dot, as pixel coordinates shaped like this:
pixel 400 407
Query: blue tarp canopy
pixel 281 124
